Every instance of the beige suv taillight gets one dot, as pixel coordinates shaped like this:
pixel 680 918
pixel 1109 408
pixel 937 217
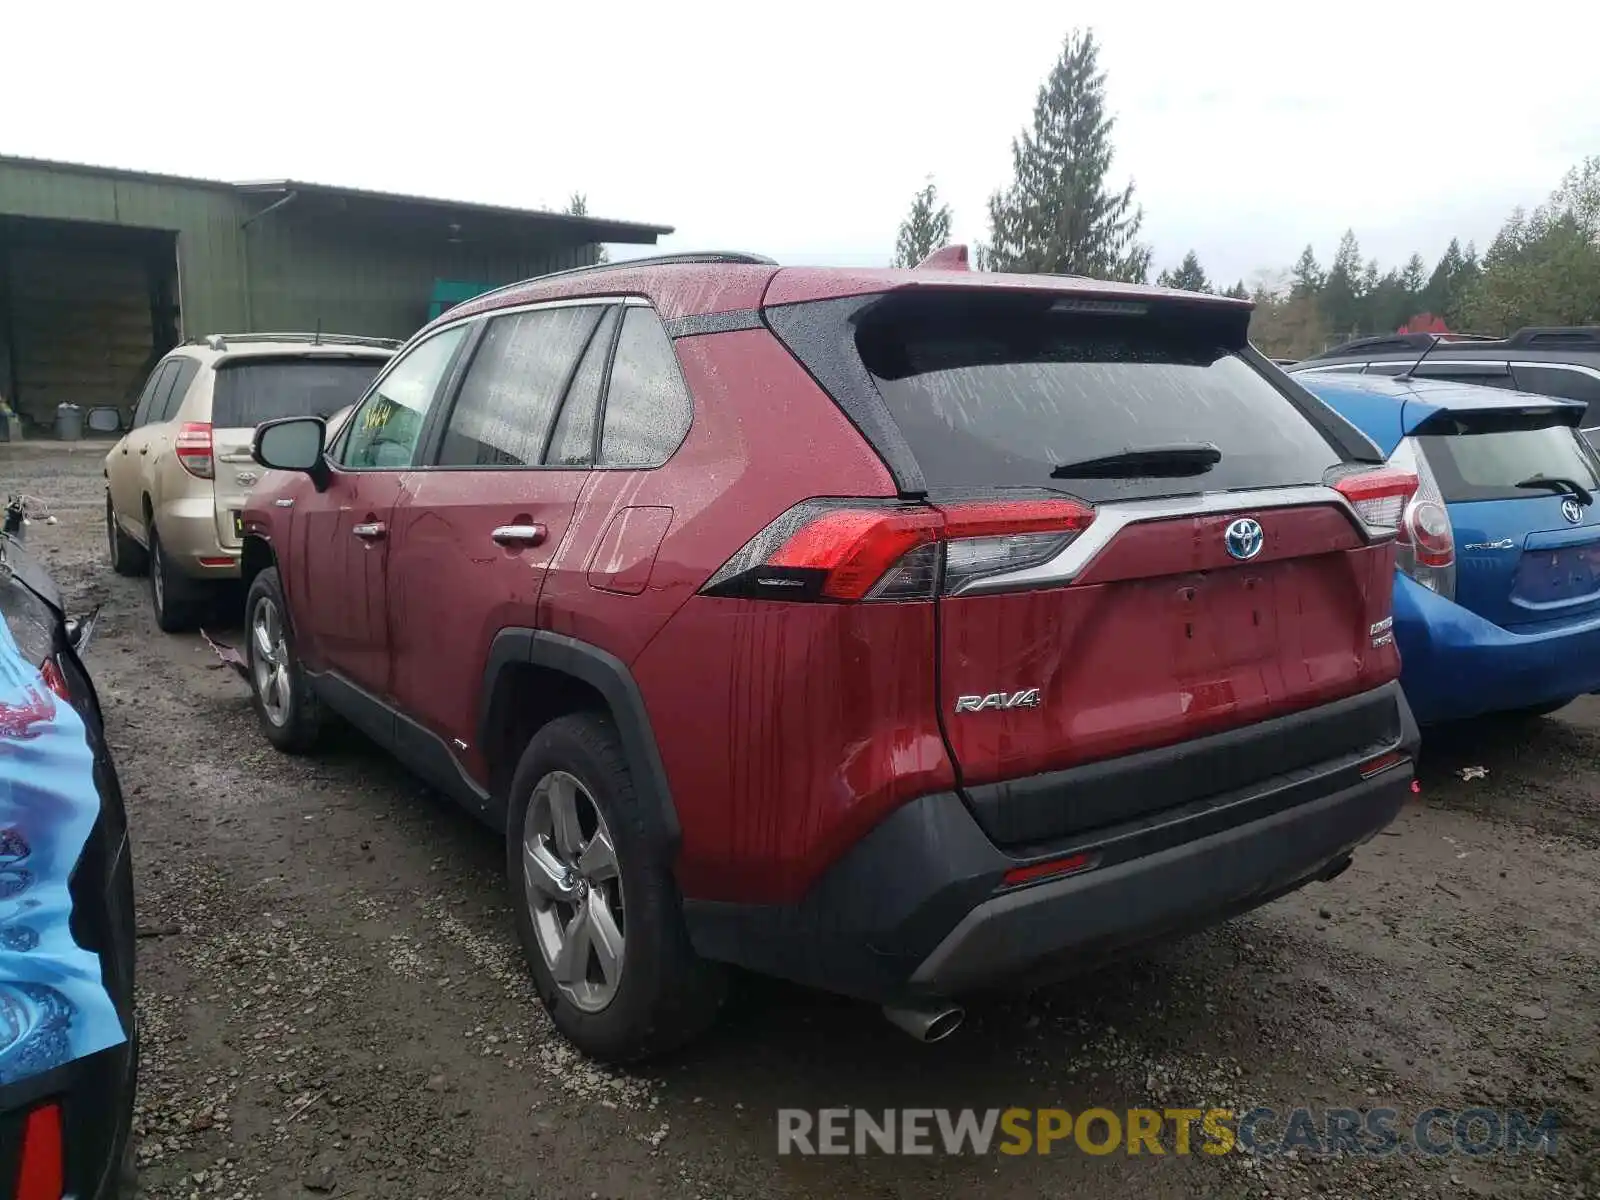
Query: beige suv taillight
pixel 194 449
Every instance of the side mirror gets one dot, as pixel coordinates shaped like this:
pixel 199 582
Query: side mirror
pixel 293 444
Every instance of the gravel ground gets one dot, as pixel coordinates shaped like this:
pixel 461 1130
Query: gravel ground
pixel 333 1002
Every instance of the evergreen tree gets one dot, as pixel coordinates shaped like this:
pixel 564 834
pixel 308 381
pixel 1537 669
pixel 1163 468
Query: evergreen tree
pixel 1189 276
pixel 1437 297
pixel 1057 216
pixel 1341 292
pixel 925 229
pixel 1543 268
pixel 1415 277
pixel 1307 275
pixel 1238 291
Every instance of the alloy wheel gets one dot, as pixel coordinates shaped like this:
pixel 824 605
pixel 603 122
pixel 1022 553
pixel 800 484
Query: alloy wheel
pixel 269 661
pixel 573 890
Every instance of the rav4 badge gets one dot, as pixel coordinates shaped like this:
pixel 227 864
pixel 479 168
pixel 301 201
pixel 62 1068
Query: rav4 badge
pixel 1028 698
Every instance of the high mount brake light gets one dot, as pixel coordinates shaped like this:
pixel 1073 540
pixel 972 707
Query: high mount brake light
pixel 193 446
pixel 1379 497
pixel 844 550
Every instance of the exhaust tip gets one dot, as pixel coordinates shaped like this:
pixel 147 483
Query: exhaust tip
pixel 1336 869
pixel 926 1022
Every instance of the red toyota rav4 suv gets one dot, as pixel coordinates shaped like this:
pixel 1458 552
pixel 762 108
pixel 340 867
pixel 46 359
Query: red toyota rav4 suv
pixel 896 632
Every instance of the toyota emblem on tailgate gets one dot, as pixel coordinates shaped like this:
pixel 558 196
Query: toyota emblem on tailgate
pixel 1244 538
pixel 1571 510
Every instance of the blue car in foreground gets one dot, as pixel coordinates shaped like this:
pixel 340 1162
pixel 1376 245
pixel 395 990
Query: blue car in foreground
pixel 68 1041
pixel 1497 595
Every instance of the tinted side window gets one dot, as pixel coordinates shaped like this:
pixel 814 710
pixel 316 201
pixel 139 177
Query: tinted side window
pixel 1560 381
pixel 176 389
pixel 159 378
pixel 647 408
pixel 382 433
pixel 509 397
pixel 572 445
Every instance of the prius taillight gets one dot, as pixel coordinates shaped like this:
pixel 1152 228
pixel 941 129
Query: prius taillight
pixel 843 550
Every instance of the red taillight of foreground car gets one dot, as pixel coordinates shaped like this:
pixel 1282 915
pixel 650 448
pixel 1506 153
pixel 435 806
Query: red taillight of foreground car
pixel 193 446
pixel 1049 869
pixel 40 1174
pixel 843 550
pixel 55 680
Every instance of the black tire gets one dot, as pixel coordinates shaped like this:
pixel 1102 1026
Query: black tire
pixel 127 556
pixel 299 727
pixel 666 994
pixel 174 597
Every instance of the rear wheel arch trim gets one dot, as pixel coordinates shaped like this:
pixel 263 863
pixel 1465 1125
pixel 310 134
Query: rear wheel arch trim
pixel 610 677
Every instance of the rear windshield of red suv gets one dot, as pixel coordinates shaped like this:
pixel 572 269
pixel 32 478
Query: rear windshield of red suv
pixel 998 395
pixel 249 391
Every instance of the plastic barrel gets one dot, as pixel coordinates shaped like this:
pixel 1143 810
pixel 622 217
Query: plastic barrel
pixel 69 422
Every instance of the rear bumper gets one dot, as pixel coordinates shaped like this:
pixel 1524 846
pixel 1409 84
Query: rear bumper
pixel 188 529
pixel 95 1099
pixel 1455 664
pixel 919 907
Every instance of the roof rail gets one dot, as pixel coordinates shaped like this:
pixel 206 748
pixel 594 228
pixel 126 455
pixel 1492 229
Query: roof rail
pixel 729 257
pixel 1398 343
pixel 220 341
pixel 1556 336
pixel 1382 344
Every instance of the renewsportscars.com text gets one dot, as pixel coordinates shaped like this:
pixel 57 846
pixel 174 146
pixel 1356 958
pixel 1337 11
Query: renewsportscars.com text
pixel 1260 1131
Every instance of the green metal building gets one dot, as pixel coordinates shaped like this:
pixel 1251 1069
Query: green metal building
pixel 103 271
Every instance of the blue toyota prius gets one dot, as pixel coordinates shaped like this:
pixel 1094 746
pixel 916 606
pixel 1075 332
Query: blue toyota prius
pixel 1497 595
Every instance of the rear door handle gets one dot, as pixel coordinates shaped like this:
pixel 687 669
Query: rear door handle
pixel 370 531
pixel 143 450
pixel 519 535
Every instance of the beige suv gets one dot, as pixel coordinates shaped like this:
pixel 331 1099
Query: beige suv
pixel 176 482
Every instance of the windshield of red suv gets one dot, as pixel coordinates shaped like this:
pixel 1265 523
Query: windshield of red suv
pixel 249 391
pixel 998 397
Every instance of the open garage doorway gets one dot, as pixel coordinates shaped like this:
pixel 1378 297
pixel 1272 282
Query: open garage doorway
pixel 85 312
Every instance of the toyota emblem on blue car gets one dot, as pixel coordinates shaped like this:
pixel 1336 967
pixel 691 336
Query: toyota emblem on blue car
pixel 1571 510
pixel 1243 538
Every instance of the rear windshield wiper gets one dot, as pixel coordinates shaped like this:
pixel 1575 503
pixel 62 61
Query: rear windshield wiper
pixel 1555 483
pixel 1194 458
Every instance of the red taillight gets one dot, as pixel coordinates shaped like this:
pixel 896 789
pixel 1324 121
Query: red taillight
pixel 1379 497
pixel 855 547
pixel 55 680
pixel 842 550
pixel 1033 872
pixel 40 1173
pixel 193 445
pixel 1426 529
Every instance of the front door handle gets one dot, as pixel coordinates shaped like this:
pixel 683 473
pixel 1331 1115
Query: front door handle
pixel 144 449
pixel 370 531
pixel 124 449
pixel 519 535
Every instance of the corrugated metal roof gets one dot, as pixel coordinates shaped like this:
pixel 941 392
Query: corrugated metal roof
pixel 586 228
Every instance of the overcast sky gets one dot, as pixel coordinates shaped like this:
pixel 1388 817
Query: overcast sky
pixel 801 131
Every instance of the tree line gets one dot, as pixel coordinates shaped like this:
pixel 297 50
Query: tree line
pixel 1058 216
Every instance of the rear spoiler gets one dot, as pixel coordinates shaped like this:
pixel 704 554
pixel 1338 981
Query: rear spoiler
pixel 1493 412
